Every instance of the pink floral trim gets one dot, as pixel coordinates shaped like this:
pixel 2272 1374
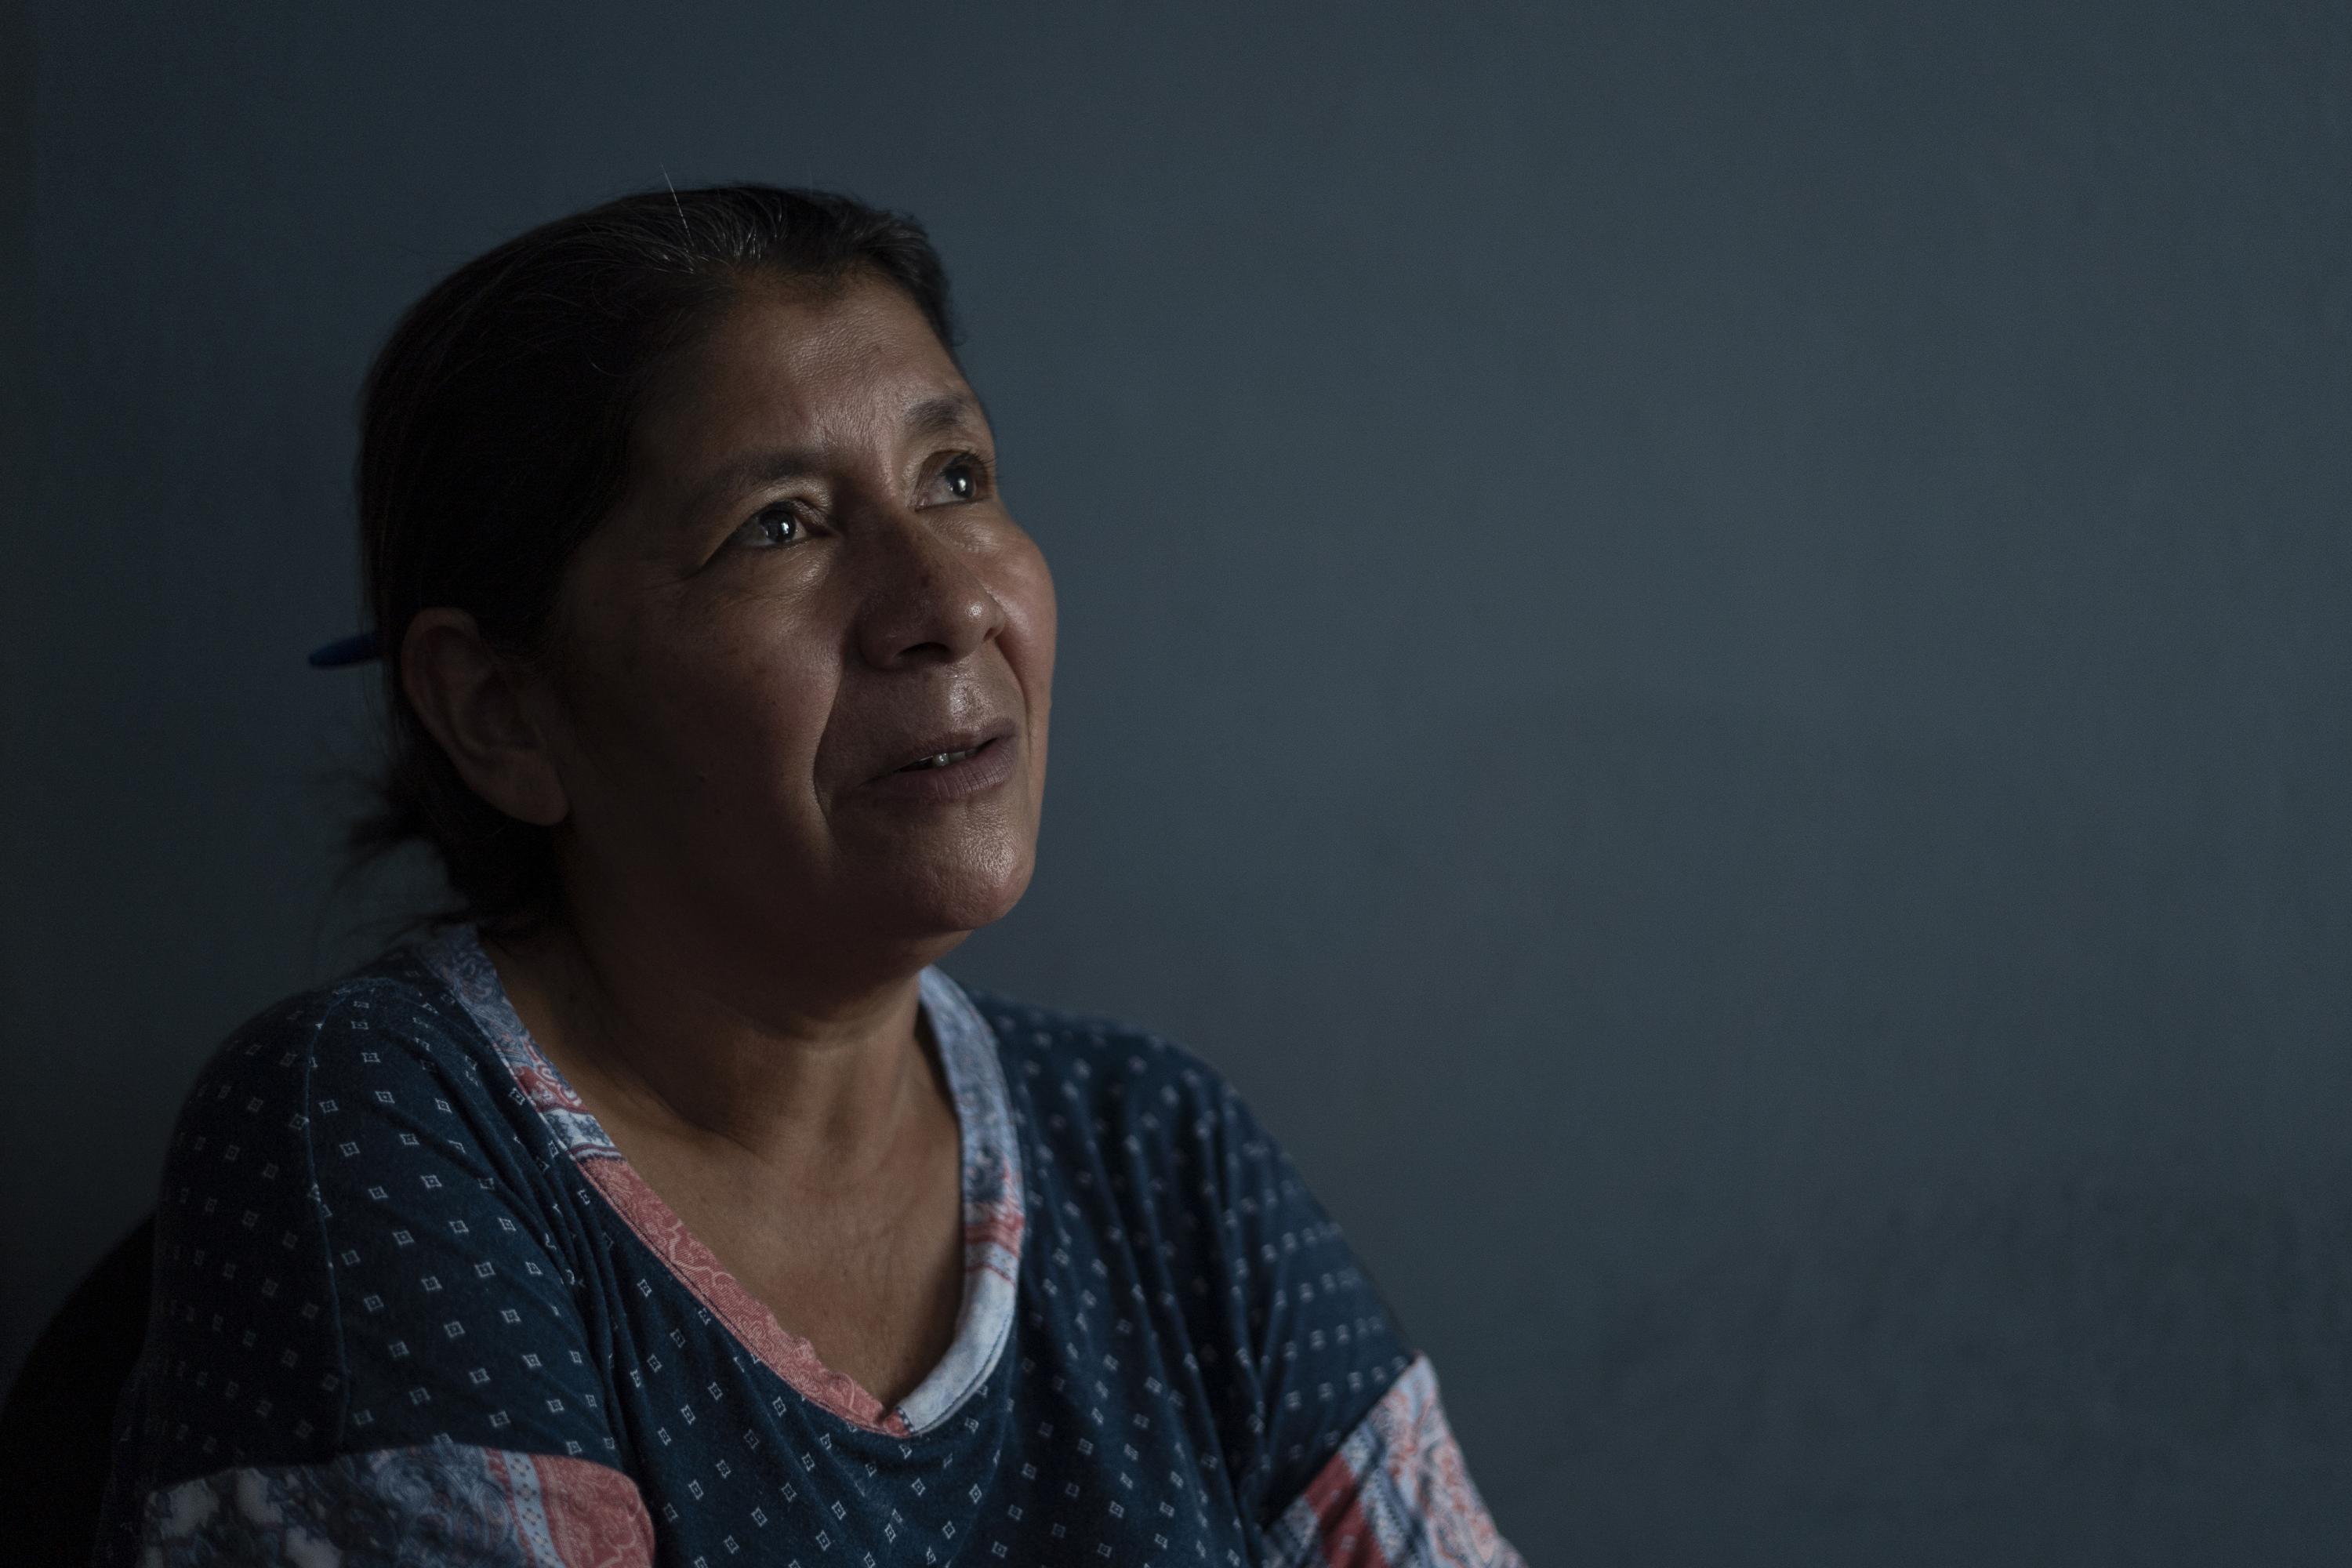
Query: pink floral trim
pixel 493 1508
pixel 792 1357
pixel 594 1513
pixel 1396 1495
pixel 993 1235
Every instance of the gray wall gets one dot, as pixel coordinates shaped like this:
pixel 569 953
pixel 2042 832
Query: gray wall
pixel 1710 646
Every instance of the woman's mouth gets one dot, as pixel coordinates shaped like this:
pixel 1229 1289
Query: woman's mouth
pixel 944 760
pixel 951 775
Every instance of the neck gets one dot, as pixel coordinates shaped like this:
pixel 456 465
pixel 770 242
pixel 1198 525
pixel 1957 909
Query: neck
pixel 815 1080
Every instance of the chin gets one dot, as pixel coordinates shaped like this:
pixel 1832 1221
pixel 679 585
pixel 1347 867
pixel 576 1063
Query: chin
pixel 968 902
pixel 962 892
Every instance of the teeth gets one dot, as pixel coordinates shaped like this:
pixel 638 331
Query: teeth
pixel 942 760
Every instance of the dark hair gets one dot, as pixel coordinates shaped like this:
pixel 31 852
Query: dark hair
pixel 494 434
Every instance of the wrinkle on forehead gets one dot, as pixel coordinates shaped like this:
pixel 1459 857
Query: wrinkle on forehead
pixel 787 380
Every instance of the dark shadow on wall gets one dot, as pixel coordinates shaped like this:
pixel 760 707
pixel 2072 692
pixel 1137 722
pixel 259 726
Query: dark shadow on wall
pixel 17 437
pixel 1911 1157
pixel 2066 1367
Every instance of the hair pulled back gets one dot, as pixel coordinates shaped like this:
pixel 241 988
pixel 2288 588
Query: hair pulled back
pixel 494 433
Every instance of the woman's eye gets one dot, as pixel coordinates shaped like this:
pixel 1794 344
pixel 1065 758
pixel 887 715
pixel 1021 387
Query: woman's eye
pixel 961 479
pixel 772 525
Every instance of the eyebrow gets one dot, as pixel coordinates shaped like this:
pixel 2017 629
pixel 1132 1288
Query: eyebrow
pixel 948 411
pixel 938 415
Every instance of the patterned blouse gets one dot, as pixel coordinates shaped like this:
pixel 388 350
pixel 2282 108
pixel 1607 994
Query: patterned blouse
pixel 412 1306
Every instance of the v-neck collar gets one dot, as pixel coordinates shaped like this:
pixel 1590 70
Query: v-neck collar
pixel 994 1217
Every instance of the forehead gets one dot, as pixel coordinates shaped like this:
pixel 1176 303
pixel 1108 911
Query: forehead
pixel 808 364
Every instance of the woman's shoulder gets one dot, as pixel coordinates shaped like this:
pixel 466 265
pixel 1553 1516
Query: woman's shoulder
pixel 385 1035
pixel 395 995
pixel 1143 1145
pixel 1107 1079
pixel 1102 1089
pixel 351 1169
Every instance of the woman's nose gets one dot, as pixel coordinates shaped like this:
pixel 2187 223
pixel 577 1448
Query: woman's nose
pixel 924 592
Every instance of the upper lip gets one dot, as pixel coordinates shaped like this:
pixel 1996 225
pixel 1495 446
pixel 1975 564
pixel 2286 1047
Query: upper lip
pixel 963 739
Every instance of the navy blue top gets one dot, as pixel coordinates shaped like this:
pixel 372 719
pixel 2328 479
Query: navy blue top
pixel 411 1300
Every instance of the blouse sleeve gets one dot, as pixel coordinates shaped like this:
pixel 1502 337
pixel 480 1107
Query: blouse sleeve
pixel 1396 1495
pixel 363 1346
pixel 1347 1459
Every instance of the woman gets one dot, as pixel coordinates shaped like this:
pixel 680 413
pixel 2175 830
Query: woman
pixel 667 1204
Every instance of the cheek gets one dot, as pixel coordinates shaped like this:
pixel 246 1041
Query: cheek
pixel 1028 597
pixel 752 721
pixel 612 686
pixel 1031 612
pixel 703 719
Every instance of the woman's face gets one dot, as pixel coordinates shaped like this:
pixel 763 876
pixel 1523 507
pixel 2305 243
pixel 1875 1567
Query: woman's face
pixel 810 579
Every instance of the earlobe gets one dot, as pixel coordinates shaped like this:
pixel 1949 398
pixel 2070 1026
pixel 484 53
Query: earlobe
pixel 470 700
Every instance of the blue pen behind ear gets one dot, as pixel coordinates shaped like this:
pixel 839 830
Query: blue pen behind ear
pixel 355 649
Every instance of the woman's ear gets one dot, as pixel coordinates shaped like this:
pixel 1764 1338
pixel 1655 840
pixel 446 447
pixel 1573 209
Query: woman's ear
pixel 470 701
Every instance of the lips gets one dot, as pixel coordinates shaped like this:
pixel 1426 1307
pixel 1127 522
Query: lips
pixel 947 741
